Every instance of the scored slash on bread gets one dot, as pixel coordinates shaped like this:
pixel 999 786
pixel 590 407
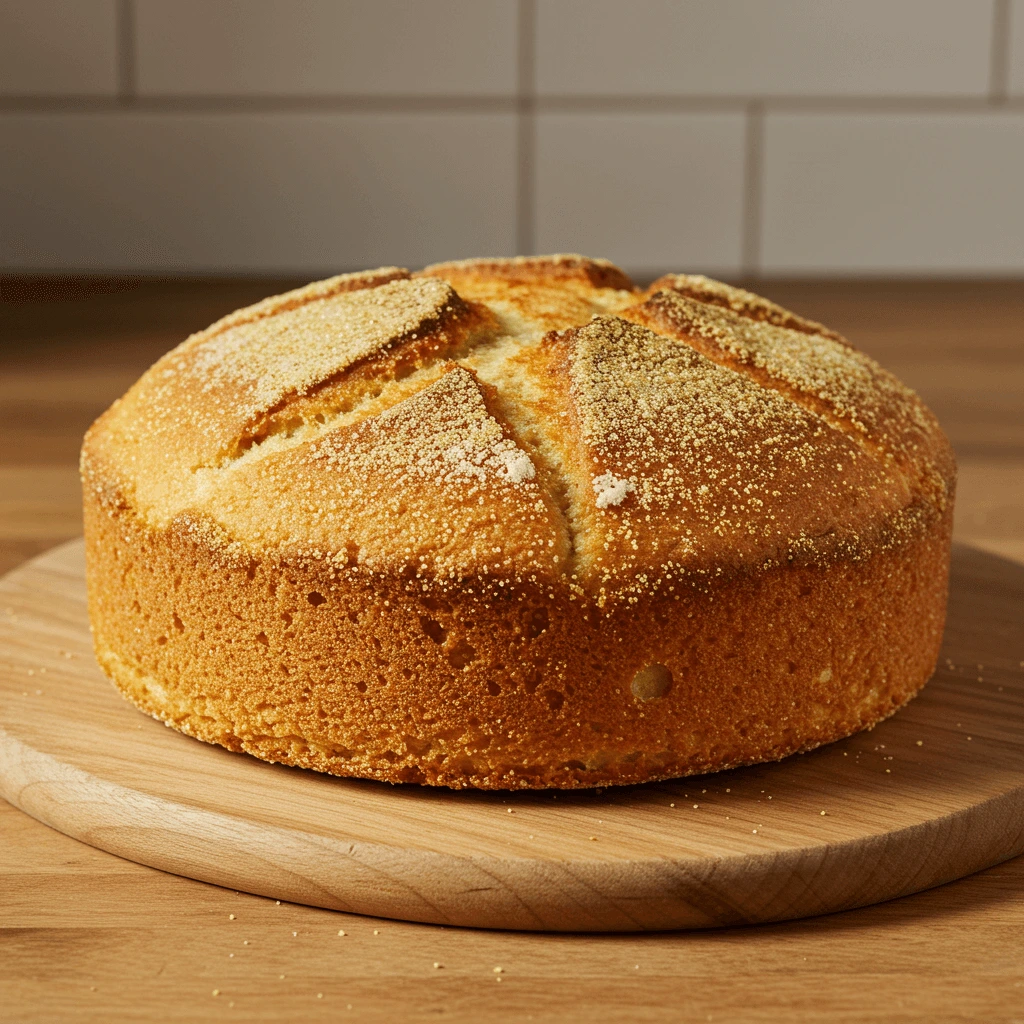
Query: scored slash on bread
pixel 434 528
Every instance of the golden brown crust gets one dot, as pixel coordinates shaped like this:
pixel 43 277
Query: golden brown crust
pixel 754 307
pixel 511 523
pixel 684 466
pixel 303 296
pixel 832 379
pixel 537 270
pixel 223 391
pixel 540 293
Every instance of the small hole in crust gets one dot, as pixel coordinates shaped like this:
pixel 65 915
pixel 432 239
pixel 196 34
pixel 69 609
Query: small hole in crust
pixel 555 699
pixel 651 682
pixel 537 623
pixel 178 624
pixel 417 745
pixel 315 599
pixel 433 629
pixel 361 687
pixel 461 655
pixel 493 688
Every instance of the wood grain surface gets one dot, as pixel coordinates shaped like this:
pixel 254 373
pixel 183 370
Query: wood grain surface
pixel 934 793
pixel 87 936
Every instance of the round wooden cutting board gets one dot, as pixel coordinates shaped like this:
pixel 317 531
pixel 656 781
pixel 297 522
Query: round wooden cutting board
pixel 932 794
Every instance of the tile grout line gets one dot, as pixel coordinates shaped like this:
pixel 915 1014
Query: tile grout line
pixel 126 70
pixel 525 127
pixel 312 104
pixel 753 185
pixel 260 105
pixel 999 78
pixel 775 103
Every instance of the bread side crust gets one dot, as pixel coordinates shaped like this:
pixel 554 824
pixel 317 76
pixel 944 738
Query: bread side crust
pixel 386 679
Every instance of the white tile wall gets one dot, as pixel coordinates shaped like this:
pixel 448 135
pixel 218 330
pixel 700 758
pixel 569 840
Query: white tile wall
pixel 361 47
pixel 773 47
pixel 735 136
pixel 648 190
pixel 303 193
pixel 55 47
pixel 903 193
pixel 1016 48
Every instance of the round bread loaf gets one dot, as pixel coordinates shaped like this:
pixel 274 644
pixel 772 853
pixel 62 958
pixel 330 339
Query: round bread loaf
pixel 517 523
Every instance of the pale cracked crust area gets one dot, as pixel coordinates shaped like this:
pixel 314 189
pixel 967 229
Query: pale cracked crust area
pixel 515 523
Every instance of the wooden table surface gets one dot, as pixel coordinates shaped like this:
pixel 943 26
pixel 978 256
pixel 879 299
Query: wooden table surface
pixel 87 936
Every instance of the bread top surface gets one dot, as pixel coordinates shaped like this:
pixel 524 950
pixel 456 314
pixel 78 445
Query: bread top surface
pixel 534 418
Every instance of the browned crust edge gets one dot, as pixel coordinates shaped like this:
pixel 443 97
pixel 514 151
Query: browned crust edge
pixel 597 273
